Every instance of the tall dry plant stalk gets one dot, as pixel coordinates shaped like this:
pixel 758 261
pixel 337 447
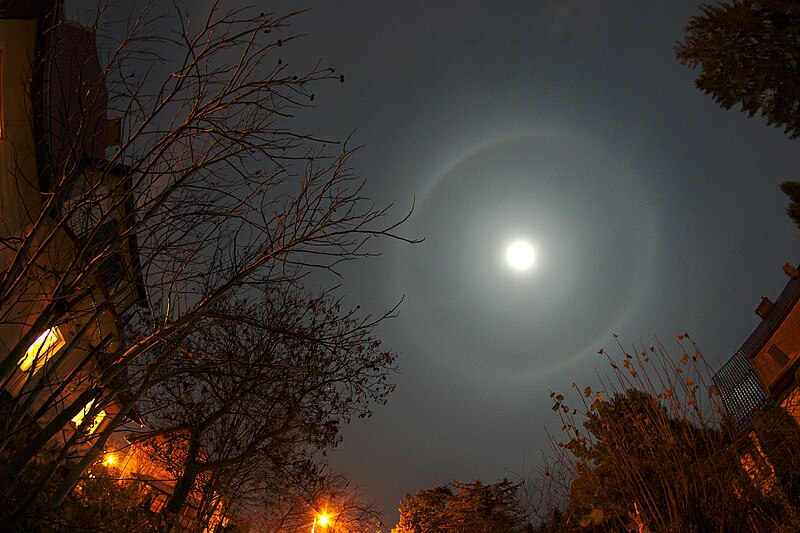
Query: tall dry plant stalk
pixel 649 450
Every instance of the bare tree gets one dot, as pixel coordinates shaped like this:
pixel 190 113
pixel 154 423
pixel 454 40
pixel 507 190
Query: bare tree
pixel 295 506
pixel 206 195
pixel 269 383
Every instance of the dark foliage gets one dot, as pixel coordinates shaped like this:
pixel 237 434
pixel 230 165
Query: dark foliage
pixel 464 508
pixel 792 190
pixel 748 53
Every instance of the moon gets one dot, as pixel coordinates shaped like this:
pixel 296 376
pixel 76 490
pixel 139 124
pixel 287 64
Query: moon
pixel 520 255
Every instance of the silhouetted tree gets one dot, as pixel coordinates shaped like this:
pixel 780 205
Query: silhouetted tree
pixel 749 55
pixel 651 451
pixel 792 190
pixel 779 434
pixel 636 454
pixel 208 195
pixel 294 507
pixel 267 389
pixel 464 508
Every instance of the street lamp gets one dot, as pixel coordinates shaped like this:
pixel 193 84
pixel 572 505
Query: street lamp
pixel 323 520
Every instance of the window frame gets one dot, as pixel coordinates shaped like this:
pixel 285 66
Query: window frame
pixel 42 350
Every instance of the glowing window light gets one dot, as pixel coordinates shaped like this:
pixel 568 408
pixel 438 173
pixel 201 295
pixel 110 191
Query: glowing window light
pixel 42 349
pixel 78 419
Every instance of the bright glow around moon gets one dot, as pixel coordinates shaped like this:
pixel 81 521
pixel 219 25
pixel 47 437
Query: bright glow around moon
pixel 521 255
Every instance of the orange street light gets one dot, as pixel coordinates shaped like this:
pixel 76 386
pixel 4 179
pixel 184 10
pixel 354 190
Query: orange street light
pixel 323 519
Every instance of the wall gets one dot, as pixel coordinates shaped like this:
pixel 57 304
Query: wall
pixel 787 337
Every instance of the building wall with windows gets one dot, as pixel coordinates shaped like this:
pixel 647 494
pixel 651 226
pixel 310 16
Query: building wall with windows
pixel 67 241
pixel 774 346
pixel 146 462
pixel 771 354
pixel 776 361
pixel 763 373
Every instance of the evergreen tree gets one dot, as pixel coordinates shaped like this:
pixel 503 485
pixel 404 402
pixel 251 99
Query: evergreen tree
pixel 749 55
pixel 792 190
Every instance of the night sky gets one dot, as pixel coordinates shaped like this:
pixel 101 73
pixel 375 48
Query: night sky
pixel 566 123
pixel 571 124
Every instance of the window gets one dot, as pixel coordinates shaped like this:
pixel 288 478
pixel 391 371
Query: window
pixel 78 419
pixel 112 269
pixel 777 355
pixel 42 349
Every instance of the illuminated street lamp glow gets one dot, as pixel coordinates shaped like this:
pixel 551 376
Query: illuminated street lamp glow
pixel 520 255
pixel 322 519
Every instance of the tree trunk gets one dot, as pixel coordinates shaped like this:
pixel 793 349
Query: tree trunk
pixel 184 484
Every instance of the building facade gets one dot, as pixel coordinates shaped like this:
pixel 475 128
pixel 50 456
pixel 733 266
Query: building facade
pixel 767 366
pixel 68 253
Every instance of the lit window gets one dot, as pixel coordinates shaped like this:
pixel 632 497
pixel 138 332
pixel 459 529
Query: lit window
pixel 78 420
pixel 42 350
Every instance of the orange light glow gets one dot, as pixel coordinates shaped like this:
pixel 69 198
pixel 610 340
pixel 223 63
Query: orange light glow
pixel 321 519
pixel 110 460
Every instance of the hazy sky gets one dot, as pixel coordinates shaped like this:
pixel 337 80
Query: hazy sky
pixel 570 124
